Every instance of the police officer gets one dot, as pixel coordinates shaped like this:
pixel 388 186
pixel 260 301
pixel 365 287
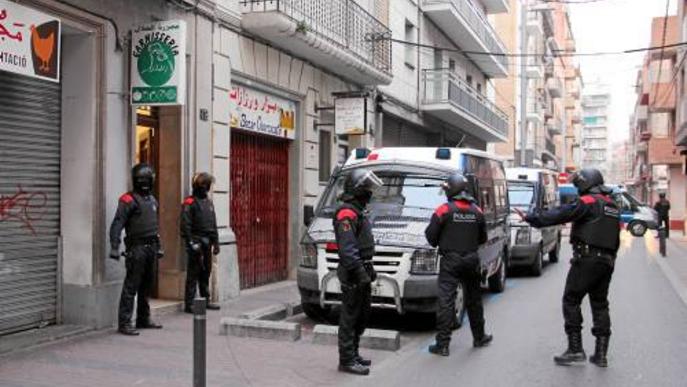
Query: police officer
pixel 595 238
pixel 662 208
pixel 355 271
pixel 199 230
pixel 458 228
pixel 137 214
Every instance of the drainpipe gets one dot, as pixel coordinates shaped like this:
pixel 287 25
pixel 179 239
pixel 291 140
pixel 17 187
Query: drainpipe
pixel 523 85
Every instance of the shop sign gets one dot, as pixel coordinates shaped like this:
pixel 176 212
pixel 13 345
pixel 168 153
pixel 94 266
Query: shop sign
pixel 350 115
pixel 158 64
pixel 29 42
pixel 263 113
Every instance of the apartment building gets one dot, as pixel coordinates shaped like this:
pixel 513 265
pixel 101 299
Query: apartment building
pixel 596 102
pixel 440 96
pixel 547 86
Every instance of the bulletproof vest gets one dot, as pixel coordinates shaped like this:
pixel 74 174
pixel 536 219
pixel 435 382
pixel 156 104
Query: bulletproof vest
pixel 460 229
pixel 366 241
pixel 600 229
pixel 143 220
pixel 203 217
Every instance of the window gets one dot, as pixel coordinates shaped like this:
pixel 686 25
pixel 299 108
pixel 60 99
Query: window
pixel 410 49
pixel 479 88
pixel 452 65
pixel 468 80
pixel 325 155
pixel 342 154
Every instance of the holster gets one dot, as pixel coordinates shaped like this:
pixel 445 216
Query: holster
pixel 582 251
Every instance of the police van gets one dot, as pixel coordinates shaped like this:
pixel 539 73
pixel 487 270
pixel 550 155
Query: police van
pixel 533 189
pixel 638 216
pixel 399 212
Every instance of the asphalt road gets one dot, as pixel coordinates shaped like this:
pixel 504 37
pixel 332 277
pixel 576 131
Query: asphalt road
pixel 648 346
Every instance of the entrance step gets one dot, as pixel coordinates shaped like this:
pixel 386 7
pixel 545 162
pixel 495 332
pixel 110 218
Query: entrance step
pixel 33 337
pixel 159 308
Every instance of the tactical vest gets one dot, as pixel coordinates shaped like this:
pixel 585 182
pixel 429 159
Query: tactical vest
pixel 460 230
pixel 366 241
pixel 143 221
pixel 203 217
pixel 601 229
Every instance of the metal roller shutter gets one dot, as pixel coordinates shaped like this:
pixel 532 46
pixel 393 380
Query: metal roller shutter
pixel 29 201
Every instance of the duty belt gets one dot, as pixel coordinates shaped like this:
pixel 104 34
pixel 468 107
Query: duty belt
pixel 143 241
pixel 581 250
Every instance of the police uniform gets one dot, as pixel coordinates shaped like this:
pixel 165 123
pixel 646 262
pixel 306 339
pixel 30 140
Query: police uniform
pixel 662 208
pixel 199 230
pixel 595 238
pixel 458 228
pixel 137 214
pixel 356 249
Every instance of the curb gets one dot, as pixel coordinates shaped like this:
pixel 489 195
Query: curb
pixel 381 339
pixel 675 282
pixel 261 329
pixel 274 312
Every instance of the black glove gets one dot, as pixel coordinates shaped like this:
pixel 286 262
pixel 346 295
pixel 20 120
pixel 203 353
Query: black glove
pixel 369 268
pixel 361 276
pixel 215 249
pixel 114 253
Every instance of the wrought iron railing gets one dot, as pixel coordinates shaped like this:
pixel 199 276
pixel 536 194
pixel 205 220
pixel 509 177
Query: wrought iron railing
pixel 342 22
pixel 443 86
pixel 477 20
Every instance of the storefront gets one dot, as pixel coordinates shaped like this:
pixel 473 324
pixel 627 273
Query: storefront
pixel 263 127
pixel 30 149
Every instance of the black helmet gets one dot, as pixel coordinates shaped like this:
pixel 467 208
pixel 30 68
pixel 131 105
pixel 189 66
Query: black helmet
pixel 457 185
pixel 202 182
pixel 587 179
pixel 143 177
pixel 662 195
pixel 360 183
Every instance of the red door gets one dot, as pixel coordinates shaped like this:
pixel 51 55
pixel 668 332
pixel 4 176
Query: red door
pixel 259 206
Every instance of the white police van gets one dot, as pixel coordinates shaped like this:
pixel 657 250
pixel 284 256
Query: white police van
pixel 400 211
pixel 533 189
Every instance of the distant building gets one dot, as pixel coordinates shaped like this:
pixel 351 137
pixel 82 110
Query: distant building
pixel 595 105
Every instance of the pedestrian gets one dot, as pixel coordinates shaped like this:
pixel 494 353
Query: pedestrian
pixel 355 271
pixel 137 214
pixel 199 231
pixel 458 228
pixel 662 208
pixel 595 238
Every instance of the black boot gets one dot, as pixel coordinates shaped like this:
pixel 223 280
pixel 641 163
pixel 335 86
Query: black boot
pixel 213 307
pixel 148 324
pixel 575 352
pixel 439 349
pixel 128 330
pixel 599 357
pixel 483 341
pixel 354 368
pixel 359 359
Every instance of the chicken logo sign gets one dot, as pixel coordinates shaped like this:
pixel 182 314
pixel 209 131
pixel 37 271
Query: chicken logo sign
pixel 29 42
pixel 158 64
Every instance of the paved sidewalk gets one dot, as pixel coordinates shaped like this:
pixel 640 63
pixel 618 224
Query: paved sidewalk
pixel 164 357
pixel 674 264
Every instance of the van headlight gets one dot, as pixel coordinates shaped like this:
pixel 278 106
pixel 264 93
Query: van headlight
pixel 309 255
pixel 424 262
pixel 523 236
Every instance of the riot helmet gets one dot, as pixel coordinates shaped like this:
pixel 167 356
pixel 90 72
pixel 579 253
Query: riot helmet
pixel 360 184
pixel 457 187
pixel 662 195
pixel 202 182
pixel 587 179
pixel 143 178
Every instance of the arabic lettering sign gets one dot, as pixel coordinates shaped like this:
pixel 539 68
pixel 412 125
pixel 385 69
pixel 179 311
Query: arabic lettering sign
pixel 158 64
pixel 350 115
pixel 263 113
pixel 29 42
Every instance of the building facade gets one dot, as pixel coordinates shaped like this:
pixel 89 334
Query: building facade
pixel 547 86
pixel 596 102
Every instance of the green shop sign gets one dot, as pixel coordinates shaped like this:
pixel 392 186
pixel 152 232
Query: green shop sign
pixel 158 64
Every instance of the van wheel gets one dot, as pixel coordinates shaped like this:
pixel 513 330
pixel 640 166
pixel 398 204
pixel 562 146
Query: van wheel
pixel 538 263
pixel 460 306
pixel 637 228
pixel 316 312
pixel 497 282
pixel 555 253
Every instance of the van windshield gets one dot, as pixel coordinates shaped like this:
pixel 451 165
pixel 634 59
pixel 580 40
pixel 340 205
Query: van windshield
pixel 520 194
pixel 403 194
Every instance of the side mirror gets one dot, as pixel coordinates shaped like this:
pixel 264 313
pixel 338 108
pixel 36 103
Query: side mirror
pixel 308 215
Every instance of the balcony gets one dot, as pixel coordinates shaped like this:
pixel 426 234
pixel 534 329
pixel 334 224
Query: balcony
pixel 534 111
pixel 645 136
pixel 642 113
pixel 550 149
pixel 681 130
pixel 554 126
pixel 642 147
pixel 467 26
pixel 535 25
pixel 663 97
pixel 338 35
pixel 555 87
pixel 534 68
pixel 453 101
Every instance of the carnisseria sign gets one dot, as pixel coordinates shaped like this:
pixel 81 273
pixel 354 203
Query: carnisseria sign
pixel 158 64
